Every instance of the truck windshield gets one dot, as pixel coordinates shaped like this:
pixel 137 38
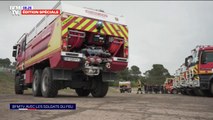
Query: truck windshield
pixel 209 57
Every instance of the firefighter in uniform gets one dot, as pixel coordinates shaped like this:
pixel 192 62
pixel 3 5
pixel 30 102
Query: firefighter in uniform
pixel 139 86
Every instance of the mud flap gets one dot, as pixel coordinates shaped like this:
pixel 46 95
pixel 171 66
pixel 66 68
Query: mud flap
pixel 109 77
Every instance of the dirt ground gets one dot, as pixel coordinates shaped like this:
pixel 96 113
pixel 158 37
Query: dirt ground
pixel 115 106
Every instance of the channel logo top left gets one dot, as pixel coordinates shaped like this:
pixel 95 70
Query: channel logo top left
pixel 16 10
pixel 28 10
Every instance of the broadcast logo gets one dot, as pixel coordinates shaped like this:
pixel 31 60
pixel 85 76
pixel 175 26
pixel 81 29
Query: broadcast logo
pixel 16 10
pixel 28 10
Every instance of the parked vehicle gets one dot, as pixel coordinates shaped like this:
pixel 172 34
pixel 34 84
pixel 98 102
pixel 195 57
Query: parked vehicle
pixel 125 87
pixel 170 86
pixel 81 48
pixel 200 70
pixel 196 74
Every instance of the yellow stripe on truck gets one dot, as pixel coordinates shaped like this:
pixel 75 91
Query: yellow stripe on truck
pixel 67 20
pixel 110 27
pixel 107 31
pixel 90 26
pixel 83 24
pixel 71 25
pixel 118 30
pixel 123 29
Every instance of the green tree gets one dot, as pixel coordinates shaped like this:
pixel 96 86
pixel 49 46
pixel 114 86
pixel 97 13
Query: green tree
pixel 156 75
pixel 5 62
pixel 124 75
pixel 14 64
pixel 135 70
pixel 135 73
pixel 130 74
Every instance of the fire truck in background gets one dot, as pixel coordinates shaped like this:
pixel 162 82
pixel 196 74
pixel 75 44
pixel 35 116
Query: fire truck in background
pixel 177 80
pixel 170 86
pixel 183 79
pixel 81 48
pixel 195 76
pixel 173 85
pixel 200 71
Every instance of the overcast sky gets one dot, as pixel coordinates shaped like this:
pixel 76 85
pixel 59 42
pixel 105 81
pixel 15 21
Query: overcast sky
pixel 159 32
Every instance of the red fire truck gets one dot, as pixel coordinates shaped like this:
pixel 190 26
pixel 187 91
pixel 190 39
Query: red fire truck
pixel 200 71
pixel 170 86
pixel 81 49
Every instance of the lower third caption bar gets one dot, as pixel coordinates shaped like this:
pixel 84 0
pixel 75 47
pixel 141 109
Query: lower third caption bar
pixel 42 106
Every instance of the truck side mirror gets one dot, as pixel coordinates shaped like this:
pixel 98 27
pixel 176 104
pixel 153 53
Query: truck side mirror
pixel 14 53
pixel 14 50
pixel 15 47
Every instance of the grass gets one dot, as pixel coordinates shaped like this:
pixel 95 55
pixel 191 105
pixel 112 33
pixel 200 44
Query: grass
pixel 6 83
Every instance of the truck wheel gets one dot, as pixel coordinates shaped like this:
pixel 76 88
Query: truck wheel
pixel 190 92
pixel 211 88
pixel 183 92
pixel 207 93
pixel 36 86
pixel 18 86
pixel 48 85
pixel 100 89
pixel 82 92
pixel 198 92
pixel 174 91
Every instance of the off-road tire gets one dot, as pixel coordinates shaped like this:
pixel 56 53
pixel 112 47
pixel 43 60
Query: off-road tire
pixel 183 92
pixel 36 85
pixel 207 93
pixel 82 92
pixel 100 89
pixel 190 92
pixel 211 87
pixel 18 87
pixel 199 92
pixel 174 91
pixel 48 85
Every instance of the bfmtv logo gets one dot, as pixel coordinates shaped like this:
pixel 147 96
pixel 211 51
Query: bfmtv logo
pixel 16 10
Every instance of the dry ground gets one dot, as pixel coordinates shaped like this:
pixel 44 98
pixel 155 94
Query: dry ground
pixel 114 106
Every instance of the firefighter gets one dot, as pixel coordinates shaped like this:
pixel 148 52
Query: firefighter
pixel 139 86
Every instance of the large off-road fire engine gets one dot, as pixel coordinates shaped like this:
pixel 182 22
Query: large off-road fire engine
pixel 81 48
pixel 200 71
